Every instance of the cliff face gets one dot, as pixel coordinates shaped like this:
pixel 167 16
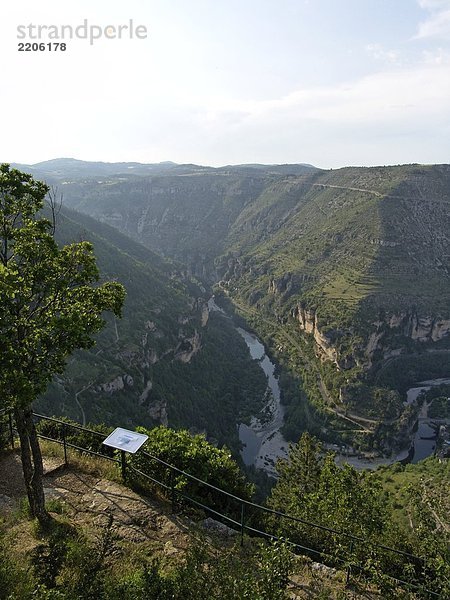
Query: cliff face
pixel 417 328
pixel 308 323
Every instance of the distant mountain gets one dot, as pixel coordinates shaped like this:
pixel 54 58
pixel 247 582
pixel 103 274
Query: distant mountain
pixel 60 169
pixel 67 169
pixel 344 273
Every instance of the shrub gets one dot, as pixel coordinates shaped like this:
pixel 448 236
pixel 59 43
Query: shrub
pixel 196 456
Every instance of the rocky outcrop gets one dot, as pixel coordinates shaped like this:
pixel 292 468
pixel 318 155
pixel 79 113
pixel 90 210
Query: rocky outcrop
pixel 425 329
pixel 146 391
pixel 205 315
pixel 158 412
pixel 421 328
pixel 418 328
pixel 324 346
pixel 117 384
pixel 188 348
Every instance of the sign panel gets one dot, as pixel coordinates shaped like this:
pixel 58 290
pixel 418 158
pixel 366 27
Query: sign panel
pixel 123 439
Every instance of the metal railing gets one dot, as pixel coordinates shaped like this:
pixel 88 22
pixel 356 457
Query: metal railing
pixel 245 516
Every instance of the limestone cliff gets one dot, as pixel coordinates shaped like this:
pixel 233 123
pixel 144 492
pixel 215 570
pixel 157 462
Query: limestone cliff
pixel 384 333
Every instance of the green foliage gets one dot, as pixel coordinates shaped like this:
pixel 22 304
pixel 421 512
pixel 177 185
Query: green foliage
pixel 68 429
pixel 420 506
pixel 402 372
pixel 439 399
pixel 400 507
pixel 48 306
pixel 15 582
pixel 69 566
pixel 312 487
pixel 257 573
pixel 194 455
pixel 5 436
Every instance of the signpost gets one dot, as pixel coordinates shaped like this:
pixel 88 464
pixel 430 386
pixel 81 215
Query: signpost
pixel 125 441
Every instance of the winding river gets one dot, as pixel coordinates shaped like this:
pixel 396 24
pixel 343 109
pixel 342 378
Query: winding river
pixel 263 441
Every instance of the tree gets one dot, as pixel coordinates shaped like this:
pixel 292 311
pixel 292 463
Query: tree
pixel 49 306
pixel 312 487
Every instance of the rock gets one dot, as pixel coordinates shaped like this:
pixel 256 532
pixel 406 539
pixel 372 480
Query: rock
pixel 188 348
pixel 112 386
pixel 128 380
pixel 158 412
pixel 308 323
pixel 205 315
pixel 148 388
pixel 52 493
pixel 315 566
pixel 5 502
pixel 218 528
pixel 169 549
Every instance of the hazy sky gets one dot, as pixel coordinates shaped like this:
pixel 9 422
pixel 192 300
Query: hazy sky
pixel 327 82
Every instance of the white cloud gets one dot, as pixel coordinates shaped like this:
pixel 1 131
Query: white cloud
pixel 433 4
pixel 438 23
pixel 386 118
pixel 377 52
pixel 390 96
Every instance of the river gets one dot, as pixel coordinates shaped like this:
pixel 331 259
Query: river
pixel 263 442
pixel 425 436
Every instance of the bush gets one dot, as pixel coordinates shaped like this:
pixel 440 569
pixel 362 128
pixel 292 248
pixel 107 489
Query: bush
pixel 194 455
pixel 260 573
pixel 84 439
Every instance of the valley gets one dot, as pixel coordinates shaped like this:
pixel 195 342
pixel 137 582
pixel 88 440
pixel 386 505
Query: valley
pixel 343 275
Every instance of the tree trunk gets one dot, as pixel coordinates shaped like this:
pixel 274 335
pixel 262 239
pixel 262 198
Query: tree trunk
pixel 31 463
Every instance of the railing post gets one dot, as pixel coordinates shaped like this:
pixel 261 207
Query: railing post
pixel 242 523
pixel 349 566
pixel 123 463
pixel 64 443
pixel 11 430
pixel 172 490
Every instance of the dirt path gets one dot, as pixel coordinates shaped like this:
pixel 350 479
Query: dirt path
pixel 92 501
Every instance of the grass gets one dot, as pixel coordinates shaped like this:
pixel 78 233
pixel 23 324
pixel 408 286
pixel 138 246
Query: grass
pixel 93 465
pixel 350 286
pixel 430 475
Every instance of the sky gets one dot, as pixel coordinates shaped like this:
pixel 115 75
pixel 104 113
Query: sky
pixel 327 82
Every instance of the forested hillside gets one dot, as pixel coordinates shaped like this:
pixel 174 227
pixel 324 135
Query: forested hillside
pixel 166 361
pixel 344 273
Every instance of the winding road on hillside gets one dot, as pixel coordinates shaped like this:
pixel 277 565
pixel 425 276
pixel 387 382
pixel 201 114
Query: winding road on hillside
pixel 83 415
